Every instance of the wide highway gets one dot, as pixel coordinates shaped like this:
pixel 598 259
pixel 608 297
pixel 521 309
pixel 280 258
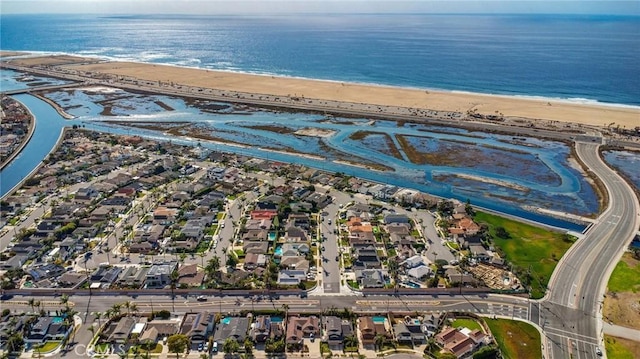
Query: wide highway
pixel 570 314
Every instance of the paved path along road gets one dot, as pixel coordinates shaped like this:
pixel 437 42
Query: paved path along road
pixel 570 315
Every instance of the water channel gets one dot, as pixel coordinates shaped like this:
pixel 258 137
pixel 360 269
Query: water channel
pixel 498 172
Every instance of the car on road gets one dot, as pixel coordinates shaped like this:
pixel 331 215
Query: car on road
pixel 598 352
pixel 201 298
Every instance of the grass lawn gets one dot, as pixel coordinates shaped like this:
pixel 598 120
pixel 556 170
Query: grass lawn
pixel 625 278
pixel 101 348
pixel 467 323
pixel 156 350
pixel 619 348
pixel 48 346
pixel 527 246
pixel 516 339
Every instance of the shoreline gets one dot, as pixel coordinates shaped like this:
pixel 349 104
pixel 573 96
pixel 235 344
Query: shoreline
pixel 571 100
pixel 32 129
pixel 327 94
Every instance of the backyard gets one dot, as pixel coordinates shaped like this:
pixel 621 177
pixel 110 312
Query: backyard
pixel 527 247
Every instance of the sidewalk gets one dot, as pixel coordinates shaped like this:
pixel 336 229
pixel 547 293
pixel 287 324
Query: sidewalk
pixel 621 332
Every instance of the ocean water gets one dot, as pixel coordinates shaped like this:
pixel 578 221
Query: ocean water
pixel 578 58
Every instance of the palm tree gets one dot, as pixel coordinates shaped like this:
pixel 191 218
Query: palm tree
pixel 32 304
pixel 379 341
pixel 174 276
pixel 285 307
pixel 134 308
pixel 98 316
pixel 350 341
pixel 64 300
pixel 248 347
pixel 116 309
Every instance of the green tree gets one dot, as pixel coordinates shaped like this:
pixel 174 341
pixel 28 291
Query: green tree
pixel 177 343
pixel 232 261
pixel 230 346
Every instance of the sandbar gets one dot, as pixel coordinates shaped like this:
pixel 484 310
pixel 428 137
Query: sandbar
pixel 511 107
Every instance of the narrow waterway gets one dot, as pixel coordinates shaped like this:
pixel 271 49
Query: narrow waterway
pixel 49 126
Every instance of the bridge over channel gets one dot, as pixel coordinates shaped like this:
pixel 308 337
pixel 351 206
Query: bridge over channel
pixel 41 88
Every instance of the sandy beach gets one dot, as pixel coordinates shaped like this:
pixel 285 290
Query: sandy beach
pixel 314 91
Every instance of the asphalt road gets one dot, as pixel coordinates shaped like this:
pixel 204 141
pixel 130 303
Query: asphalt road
pixel 570 315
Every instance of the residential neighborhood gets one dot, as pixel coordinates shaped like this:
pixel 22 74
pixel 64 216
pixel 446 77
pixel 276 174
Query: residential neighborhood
pixel 131 214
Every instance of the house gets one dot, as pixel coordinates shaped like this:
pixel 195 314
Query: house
pixel 294 249
pixel 419 272
pixel 164 215
pixel 396 218
pixel 261 329
pixel 431 324
pixel 299 328
pixel 291 276
pixel 163 328
pixel 254 260
pixel 133 277
pixel 120 334
pixel 105 274
pixel 295 234
pixel 198 327
pixel 366 257
pixel 414 326
pixel 295 262
pixel 189 275
pixel 402 334
pixel 39 330
pixel 460 343
pixel 333 334
pixel 258 223
pixel 478 252
pixel 150 335
pixel 71 280
pixel 159 275
pixel 369 330
pixel 413 262
pixel 255 247
pixel 194 229
pixel 370 278
pixel 231 327
pixel 45 271
pixel 256 235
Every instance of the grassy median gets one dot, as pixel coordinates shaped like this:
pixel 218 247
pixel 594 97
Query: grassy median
pixel 526 246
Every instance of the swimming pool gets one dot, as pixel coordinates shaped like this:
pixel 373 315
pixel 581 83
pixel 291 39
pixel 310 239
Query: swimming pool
pixel 276 320
pixel 57 320
pixel 412 284
pixel 226 320
pixel 379 320
pixel 272 236
pixel 278 251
